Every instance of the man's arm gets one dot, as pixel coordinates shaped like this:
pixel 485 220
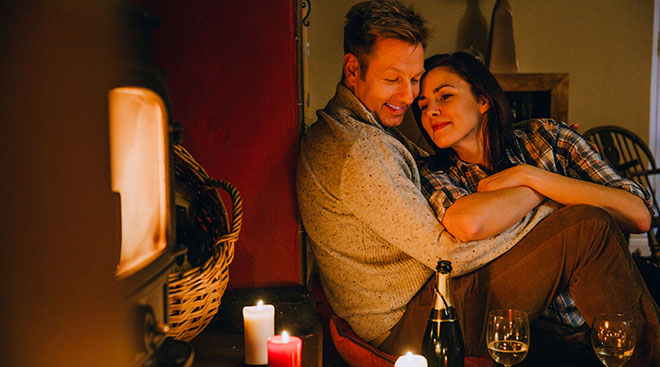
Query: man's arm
pixel 377 186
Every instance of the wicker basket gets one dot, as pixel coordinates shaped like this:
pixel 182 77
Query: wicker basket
pixel 196 288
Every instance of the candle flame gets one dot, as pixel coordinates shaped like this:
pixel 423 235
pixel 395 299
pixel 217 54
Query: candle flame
pixel 285 337
pixel 409 355
pixel 260 304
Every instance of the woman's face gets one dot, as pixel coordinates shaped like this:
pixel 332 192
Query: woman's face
pixel 451 114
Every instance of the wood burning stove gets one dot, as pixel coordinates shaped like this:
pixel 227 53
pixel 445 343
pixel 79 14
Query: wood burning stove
pixel 69 67
pixel 142 176
pixel 140 171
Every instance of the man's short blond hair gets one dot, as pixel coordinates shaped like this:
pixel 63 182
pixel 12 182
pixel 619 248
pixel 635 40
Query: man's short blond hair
pixel 369 21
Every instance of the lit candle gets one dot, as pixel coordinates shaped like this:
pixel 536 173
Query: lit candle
pixel 284 351
pixel 259 325
pixel 411 360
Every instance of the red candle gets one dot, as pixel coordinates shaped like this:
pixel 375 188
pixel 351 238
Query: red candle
pixel 284 351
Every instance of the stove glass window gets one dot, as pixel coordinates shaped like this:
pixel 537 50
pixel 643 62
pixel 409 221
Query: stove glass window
pixel 139 170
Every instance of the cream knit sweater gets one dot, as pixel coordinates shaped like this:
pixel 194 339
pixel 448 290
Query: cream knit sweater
pixel 373 234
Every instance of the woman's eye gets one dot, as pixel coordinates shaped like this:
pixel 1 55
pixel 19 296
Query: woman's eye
pixel 422 107
pixel 391 80
pixel 445 97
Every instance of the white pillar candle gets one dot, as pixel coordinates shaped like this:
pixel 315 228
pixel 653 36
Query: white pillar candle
pixel 411 360
pixel 259 325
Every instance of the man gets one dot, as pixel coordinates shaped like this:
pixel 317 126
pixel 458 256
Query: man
pixel 373 234
pixel 358 185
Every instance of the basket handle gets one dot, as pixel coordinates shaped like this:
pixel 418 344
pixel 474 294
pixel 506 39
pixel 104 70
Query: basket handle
pixel 237 208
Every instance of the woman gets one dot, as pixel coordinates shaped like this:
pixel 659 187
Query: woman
pixel 485 176
pixel 466 117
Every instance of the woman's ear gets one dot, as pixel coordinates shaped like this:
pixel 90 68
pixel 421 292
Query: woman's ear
pixel 351 70
pixel 484 105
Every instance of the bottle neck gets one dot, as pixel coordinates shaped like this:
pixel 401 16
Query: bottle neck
pixel 443 305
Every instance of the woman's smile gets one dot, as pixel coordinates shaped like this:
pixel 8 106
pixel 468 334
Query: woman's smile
pixel 439 125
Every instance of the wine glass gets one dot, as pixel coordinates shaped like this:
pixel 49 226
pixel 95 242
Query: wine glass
pixel 613 339
pixel 507 336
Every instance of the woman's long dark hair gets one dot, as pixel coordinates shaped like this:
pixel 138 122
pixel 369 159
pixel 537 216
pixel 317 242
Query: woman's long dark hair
pixel 498 125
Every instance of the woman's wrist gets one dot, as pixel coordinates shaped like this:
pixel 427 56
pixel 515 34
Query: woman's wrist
pixel 534 178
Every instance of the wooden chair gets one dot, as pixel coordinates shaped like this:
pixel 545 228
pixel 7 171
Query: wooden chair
pixel 632 158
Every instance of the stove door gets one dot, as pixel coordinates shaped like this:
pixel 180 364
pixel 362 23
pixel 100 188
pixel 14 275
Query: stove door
pixel 139 151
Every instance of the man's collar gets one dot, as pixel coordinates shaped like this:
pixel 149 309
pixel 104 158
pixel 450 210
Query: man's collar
pixel 346 106
pixel 346 98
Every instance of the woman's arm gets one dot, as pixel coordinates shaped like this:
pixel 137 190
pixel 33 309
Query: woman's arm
pixel 628 210
pixel 485 214
pixel 468 215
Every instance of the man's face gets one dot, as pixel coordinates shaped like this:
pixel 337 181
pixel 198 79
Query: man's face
pixel 391 82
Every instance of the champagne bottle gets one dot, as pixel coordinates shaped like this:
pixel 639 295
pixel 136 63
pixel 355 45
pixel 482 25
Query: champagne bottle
pixel 443 343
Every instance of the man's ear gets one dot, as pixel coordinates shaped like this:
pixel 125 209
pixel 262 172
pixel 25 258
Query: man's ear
pixel 351 70
pixel 484 105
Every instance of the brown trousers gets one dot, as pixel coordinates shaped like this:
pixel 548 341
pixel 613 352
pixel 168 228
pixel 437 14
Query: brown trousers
pixel 577 247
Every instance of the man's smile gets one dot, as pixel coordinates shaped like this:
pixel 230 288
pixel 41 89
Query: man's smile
pixel 396 109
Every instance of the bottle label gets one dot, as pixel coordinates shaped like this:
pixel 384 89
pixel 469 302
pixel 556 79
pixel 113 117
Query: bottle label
pixel 448 314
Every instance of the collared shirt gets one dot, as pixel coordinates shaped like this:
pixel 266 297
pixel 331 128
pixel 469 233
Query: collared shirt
pixel 542 143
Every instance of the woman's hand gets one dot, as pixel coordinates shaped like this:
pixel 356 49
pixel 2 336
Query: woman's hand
pixel 510 177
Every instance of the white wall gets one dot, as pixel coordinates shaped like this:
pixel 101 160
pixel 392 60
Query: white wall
pixel 605 46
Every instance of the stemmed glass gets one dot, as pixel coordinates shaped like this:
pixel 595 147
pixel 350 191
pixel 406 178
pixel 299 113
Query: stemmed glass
pixel 613 339
pixel 507 336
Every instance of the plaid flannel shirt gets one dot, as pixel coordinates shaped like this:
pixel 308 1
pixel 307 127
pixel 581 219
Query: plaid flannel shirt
pixel 542 143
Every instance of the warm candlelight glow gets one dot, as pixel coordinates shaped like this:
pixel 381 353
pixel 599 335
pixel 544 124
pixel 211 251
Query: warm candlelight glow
pixel 411 360
pixel 284 350
pixel 260 305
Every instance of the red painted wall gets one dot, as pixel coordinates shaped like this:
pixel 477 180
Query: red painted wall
pixel 231 72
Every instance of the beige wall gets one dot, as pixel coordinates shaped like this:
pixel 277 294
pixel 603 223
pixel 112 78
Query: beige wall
pixel 605 46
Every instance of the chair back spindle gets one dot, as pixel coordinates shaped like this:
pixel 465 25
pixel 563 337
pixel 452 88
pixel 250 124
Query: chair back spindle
pixel 631 158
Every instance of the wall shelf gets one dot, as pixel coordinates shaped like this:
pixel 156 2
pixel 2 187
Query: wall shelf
pixel 534 95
